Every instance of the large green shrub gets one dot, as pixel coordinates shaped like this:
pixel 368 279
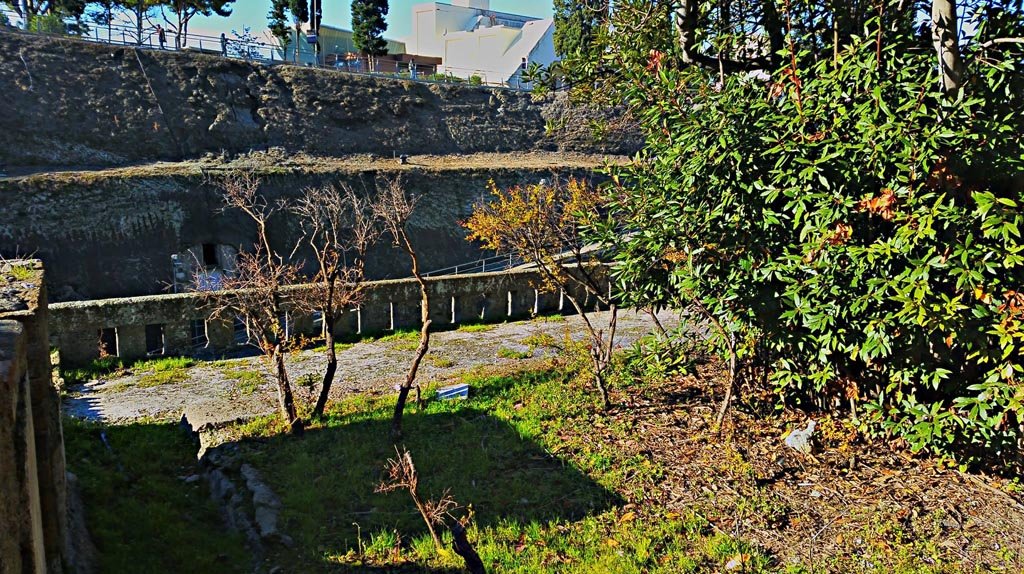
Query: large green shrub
pixel 855 230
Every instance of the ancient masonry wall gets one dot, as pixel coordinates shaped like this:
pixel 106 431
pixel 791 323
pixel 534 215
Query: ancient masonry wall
pixel 113 234
pixel 33 505
pixel 184 324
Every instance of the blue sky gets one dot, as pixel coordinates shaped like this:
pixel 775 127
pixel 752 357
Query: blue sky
pixel 253 13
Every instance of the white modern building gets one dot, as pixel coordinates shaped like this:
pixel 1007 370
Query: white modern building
pixel 473 40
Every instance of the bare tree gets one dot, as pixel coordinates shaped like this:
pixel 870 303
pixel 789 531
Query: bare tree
pixel 339 227
pixel 394 207
pixel 402 475
pixel 255 293
pixel 543 225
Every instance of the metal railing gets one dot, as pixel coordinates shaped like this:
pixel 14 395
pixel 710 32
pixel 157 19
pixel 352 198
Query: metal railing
pixel 122 35
pixel 506 261
pixel 486 265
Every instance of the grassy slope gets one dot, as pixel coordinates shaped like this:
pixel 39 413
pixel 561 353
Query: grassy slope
pixel 542 496
pixel 141 513
pixel 549 479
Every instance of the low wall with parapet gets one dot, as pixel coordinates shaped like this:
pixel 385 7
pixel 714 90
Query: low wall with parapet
pixel 184 324
pixel 33 492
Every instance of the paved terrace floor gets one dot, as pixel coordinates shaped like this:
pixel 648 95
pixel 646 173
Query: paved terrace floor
pixel 211 395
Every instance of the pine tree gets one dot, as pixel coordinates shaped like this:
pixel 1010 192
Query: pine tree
pixel 368 26
pixel 281 13
pixel 577 23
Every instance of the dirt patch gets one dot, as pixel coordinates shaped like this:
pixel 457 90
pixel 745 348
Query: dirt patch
pixel 279 162
pixel 845 508
pixel 223 391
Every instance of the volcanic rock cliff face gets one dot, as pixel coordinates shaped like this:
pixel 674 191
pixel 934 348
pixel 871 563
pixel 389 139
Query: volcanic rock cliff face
pixel 67 102
pixel 112 232
pixel 114 155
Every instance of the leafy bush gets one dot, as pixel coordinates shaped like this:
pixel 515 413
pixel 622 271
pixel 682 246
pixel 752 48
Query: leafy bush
pixel 655 358
pixel 476 81
pixel 47 24
pixel 854 228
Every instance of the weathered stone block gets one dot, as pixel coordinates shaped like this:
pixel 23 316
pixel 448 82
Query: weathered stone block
pixel 220 333
pixel 178 337
pixel 131 341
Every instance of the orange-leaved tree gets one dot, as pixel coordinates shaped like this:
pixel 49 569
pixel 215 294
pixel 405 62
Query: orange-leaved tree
pixel 545 224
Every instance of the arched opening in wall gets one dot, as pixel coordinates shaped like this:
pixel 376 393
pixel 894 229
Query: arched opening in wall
pixel 242 334
pixel 210 255
pixel 318 323
pixel 203 267
pixel 285 323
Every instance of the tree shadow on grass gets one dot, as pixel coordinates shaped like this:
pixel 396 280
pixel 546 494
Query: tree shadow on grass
pixel 327 481
pixel 145 509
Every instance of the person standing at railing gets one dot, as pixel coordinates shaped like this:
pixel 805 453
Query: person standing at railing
pixel 161 35
pixel 412 68
pixel 223 45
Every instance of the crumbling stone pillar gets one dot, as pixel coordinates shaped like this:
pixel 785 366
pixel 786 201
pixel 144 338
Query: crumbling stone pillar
pixel 220 333
pixel 346 323
pixel 78 346
pixel 177 337
pixel 520 302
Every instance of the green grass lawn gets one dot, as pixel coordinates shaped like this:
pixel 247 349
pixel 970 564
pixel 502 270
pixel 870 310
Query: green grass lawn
pixel 141 512
pixel 582 511
pixel 551 482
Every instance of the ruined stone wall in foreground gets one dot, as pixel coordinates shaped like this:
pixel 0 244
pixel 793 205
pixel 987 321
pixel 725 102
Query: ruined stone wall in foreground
pixel 184 324
pixel 33 492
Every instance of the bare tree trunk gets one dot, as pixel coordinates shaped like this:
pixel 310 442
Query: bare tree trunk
pixel 657 322
pixel 945 38
pixel 600 352
pixel 686 23
pixel 775 31
pixel 286 401
pixel 421 351
pixel 462 547
pixel 332 353
pixel 332 364
pixel 732 384
pixel 139 13
pixel 426 518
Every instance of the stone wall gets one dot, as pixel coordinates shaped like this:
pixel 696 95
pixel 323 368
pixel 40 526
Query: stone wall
pixel 33 506
pixel 74 103
pixel 137 327
pixel 112 234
